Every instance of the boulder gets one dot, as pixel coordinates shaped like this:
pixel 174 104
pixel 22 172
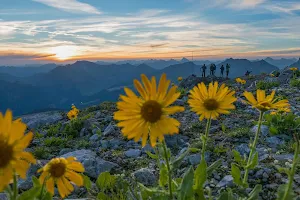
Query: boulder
pixel 145 176
pixel 92 163
pixel 39 119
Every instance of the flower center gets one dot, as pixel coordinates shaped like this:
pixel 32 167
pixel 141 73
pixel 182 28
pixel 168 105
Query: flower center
pixel 266 104
pixel 211 104
pixel 57 170
pixel 151 111
pixel 6 153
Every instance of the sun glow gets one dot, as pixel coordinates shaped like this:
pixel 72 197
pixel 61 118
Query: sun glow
pixel 64 52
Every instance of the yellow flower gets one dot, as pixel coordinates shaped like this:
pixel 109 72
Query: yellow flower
pixel 62 171
pixel 264 103
pixel 273 113
pixel 272 75
pixel 72 114
pixel 75 109
pixel 212 101
pixel 179 78
pixel 148 115
pixel 241 81
pixel 238 80
pixel 13 158
pixel 294 68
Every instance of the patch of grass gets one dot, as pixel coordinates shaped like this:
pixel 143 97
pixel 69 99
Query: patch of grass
pixel 73 129
pixel 38 135
pixel 239 132
pixel 82 144
pixel 54 141
pixel 264 85
pixel 40 153
pixel 54 129
pixel 295 83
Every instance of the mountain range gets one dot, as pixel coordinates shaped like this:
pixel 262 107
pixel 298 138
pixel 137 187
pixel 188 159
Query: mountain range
pixel 86 83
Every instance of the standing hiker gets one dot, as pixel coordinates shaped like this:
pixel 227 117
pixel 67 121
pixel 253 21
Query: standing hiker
pixel 203 70
pixel 227 70
pixel 211 68
pixel 222 70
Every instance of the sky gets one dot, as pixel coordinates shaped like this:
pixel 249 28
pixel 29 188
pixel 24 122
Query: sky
pixel 42 31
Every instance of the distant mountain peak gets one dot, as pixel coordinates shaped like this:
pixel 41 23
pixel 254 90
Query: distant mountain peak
pixel 184 60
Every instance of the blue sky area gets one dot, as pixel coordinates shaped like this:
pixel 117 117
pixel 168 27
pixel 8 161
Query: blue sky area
pixel 59 30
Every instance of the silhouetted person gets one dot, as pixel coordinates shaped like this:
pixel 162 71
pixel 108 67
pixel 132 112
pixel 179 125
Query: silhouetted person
pixel 211 68
pixel 227 70
pixel 222 70
pixel 203 70
pixel 214 69
pixel 247 73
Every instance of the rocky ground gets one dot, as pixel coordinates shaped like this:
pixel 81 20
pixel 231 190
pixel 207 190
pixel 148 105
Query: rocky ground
pixel 100 146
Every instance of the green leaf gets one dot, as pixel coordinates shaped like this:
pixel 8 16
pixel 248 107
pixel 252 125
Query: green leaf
pixel 151 155
pixel 281 192
pixel 237 156
pixel 254 194
pixel 47 196
pixel 200 177
pixel 194 150
pixel 102 196
pixel 105 181
pixel 223 127
pixel 214 166
pixel 86 182
pixel 227 195
pixel 254 162
pixel 30 194
pixel 35 181
pixel 163 175
pixel 273 130
pixel 178 160
pixel 236 174
pixel 186 187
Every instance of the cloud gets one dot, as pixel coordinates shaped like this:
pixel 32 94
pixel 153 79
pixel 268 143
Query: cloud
pixel 244 4
pixel 70 6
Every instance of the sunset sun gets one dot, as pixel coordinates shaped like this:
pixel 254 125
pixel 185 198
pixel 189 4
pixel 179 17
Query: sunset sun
pixel 64 52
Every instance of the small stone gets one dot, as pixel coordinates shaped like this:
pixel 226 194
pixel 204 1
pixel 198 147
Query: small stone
pixel 64 151
pixel 264 130
pixel 227 181
pixel 94 138
pixel 3 196
pixel 132 153
pixel 283 157
pixel 145 176
pixel 82 132
pixel 195 159
pixel 274 141
pixel 243 149
pixel 108 130
pixel 98 114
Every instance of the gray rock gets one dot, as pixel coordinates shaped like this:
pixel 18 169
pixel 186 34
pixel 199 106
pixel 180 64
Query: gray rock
pixel 82 132
pixel 283 157
pixel 243 149
pixel 178 141
pixel 227 181
pixel 64 151
pixel 108 130
pixel 92 163
pixel 98 114
pixel 147 148
pixel 132 153
pixel 195 159
pixel 145 176
pixel 39 119
pixel 3 196
pixel 94 138
pixel 116 143
pixel 104 144
pixel 264 130
pixel 26 184
pixel 91 124
pixel 274 141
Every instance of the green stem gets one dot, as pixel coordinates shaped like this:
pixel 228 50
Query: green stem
pixel 169 169
pixel 253 147
pixel 204 138
pixel 292 172
pixel 15 187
